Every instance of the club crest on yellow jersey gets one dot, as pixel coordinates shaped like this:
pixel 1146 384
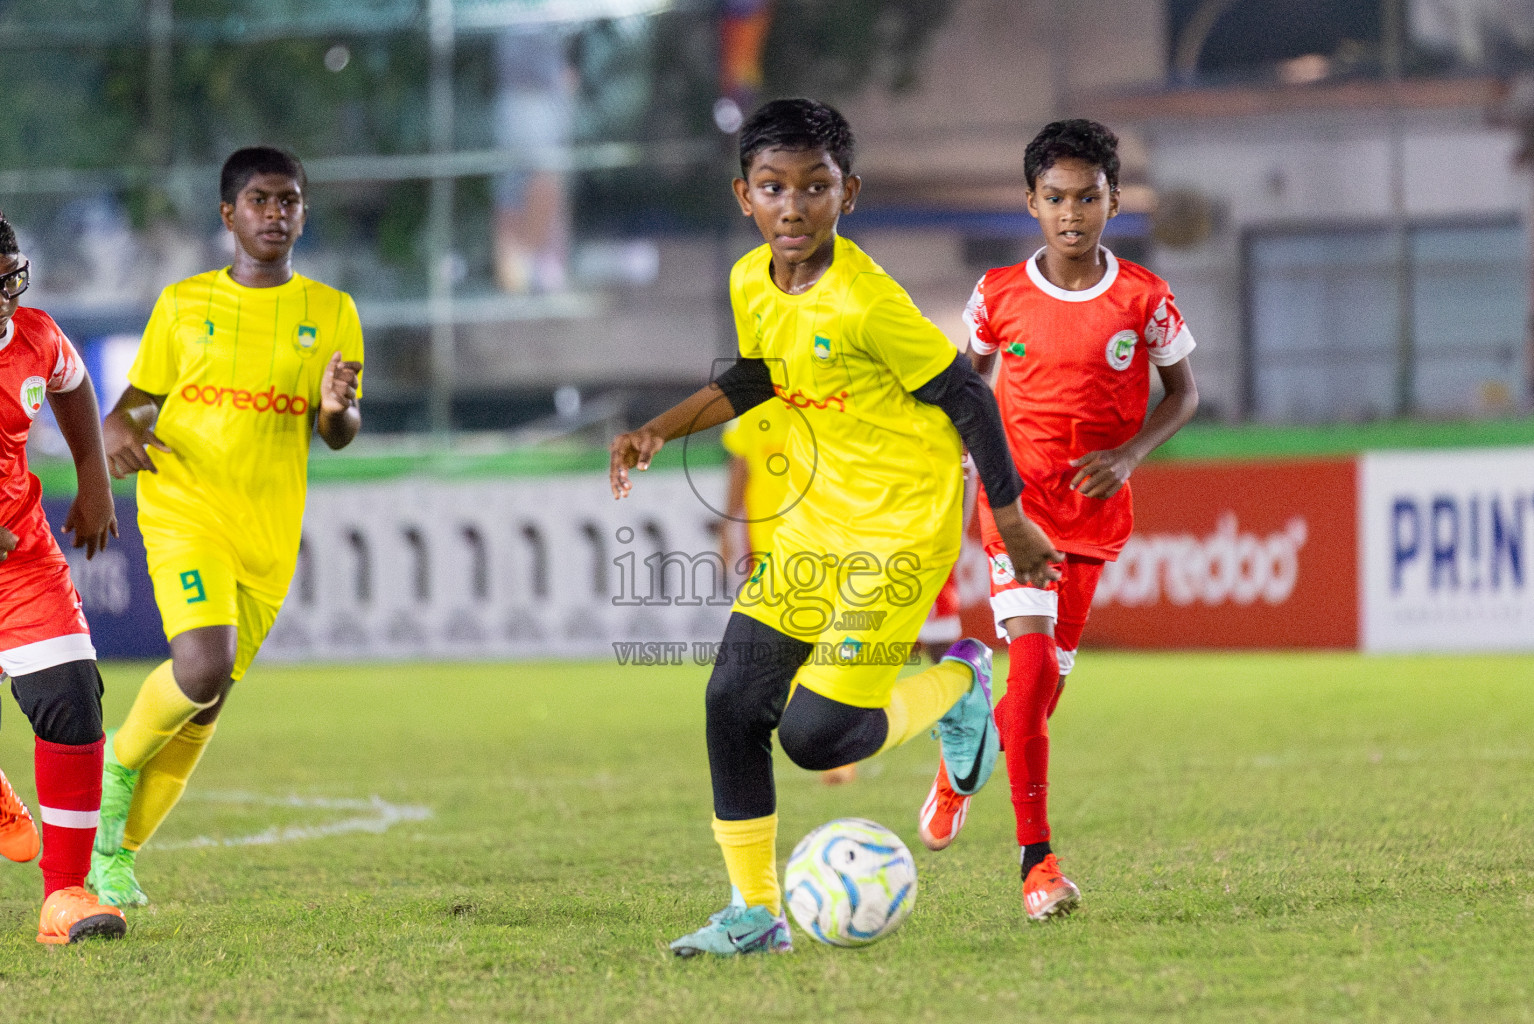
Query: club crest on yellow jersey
pixel 306 337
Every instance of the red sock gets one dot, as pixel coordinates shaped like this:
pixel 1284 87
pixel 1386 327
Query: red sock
pixel 1022 717
pixel 1054 701
pixel 69 790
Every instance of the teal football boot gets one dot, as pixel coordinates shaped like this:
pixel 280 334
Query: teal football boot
pixel 738 929
pixel 113 881
pixel 968 730
pixel 117 783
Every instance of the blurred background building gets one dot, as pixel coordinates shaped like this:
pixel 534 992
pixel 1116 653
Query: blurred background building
pixel 529 200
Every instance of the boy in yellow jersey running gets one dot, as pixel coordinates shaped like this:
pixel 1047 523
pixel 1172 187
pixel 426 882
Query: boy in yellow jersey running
pixel 237 368
pixel 833 608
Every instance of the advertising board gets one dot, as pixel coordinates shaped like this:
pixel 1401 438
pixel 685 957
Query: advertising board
pixel 551 566
pixel 1446 550
pixel 114 586
pixel 1235 555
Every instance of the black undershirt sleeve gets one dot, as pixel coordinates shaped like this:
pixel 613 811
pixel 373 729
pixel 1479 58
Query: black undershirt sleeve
pixel 746 385
pixel 961 393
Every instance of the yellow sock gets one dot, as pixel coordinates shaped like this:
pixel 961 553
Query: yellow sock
pixel 162 781
pixel 158 713
pixel 920 700
pixel 751 857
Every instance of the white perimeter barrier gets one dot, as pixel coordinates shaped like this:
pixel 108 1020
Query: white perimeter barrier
pixel 511 567
pixel 552 566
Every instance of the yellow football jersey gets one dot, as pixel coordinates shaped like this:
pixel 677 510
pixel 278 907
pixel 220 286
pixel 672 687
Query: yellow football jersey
pixel 873 474
pixel 240 369
pixel 877 469
pixel 760 437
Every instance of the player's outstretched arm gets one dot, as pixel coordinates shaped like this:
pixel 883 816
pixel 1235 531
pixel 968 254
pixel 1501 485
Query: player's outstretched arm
pixel 743 386
pixel 1101 474
pixel 92 517
pixel 340 416
pixel 707 407
pixel 128 431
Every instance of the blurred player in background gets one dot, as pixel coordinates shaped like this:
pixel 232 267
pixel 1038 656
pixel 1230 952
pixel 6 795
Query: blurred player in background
pixel 944 626
pixel 237 368
pixel 1077 331
pixel 757 478
pixel 45 644
pixel 834 605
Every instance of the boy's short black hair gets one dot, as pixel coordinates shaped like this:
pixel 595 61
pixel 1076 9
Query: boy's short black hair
pixel 796 124
pixel 1079 138
pixel 9 246
pixel 244 164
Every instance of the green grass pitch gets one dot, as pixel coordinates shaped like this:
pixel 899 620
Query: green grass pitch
pixel 1270 837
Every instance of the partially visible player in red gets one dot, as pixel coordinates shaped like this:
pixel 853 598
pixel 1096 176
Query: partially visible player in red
pixel 1077 331
pixel 45 645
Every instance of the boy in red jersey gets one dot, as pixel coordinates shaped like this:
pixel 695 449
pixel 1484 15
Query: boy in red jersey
pixel 1077 331
pixel 45 645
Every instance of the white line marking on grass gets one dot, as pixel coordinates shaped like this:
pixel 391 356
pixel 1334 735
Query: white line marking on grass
pixel 382 816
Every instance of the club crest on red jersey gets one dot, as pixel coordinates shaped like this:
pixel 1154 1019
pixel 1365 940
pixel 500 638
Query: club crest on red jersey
pixel 1121 349
pixel 33 391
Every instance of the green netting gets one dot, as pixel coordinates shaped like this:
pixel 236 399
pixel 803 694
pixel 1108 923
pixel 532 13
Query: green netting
pixel 1201 441
pixel 58 476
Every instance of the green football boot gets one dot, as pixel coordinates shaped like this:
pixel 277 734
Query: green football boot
pixel 112 879
pixel 737 929
pixel 117 783
pixel 968 730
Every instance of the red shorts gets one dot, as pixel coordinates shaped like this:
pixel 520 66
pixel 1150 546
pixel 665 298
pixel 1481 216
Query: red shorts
pixel 41 624
pixel 943 625
pixel 1067 600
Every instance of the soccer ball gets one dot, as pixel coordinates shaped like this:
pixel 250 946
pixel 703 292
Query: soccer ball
pixel 850 882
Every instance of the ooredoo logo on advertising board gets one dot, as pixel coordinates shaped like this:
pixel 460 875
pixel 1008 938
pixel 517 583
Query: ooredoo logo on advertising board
pixel 1235 555
pixel 1447 550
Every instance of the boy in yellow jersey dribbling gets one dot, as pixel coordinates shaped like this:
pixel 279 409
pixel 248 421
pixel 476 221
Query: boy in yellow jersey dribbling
pixel 821 629
pixel 237 368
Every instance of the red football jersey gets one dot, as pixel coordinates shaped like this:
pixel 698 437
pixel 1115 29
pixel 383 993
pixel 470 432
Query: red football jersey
pixel 1074 378
pixel 35 358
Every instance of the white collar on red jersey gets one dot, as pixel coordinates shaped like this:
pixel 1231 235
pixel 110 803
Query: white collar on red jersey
pixel 1087 295
pixel 8 333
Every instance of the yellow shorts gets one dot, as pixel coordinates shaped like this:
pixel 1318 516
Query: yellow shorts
pixel 861 611
pixel 196 584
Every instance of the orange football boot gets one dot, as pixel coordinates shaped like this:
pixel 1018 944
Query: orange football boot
pixel 1047 893
pixel 18 833
pixel 72 914
pixel 944 812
